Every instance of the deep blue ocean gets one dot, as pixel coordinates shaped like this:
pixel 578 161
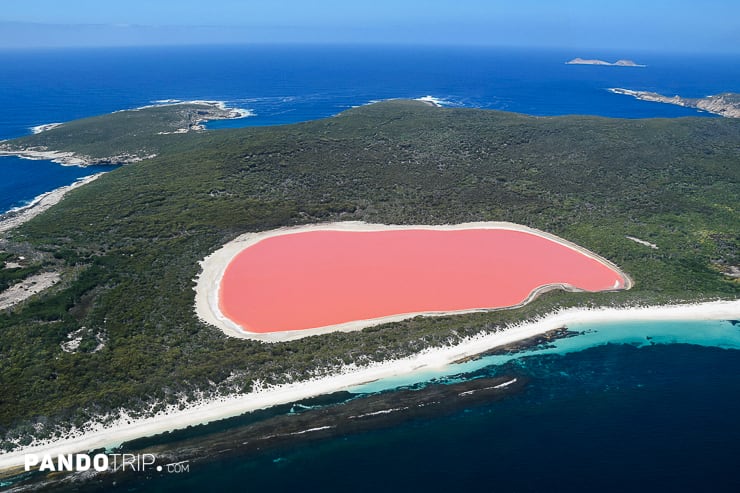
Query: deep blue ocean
pixel 291 83
pixel 610 410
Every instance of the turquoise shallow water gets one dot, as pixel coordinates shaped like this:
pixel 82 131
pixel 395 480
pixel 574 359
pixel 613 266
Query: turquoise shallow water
pixel 639 406
pixel 609 410
pixel 708 333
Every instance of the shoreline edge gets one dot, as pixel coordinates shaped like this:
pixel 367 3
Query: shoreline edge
pixel 208 410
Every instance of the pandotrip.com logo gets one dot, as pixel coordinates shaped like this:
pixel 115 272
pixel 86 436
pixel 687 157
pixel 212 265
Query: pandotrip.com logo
pixel 101 463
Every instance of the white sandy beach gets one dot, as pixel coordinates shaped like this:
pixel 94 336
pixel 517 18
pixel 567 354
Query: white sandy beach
pixel 16 217
pixel 209 410
pixel 213 267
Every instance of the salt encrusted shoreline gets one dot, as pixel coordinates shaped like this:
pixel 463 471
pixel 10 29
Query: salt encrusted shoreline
pixel 204 411
pixel 214 265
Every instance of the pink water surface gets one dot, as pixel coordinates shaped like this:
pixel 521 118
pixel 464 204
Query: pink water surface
pixel 319 278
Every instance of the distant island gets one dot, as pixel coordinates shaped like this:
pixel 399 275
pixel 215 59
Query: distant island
pixel 726 104
pixel 618 63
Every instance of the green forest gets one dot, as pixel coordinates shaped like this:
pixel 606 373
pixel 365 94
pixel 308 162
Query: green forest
pixel 129 243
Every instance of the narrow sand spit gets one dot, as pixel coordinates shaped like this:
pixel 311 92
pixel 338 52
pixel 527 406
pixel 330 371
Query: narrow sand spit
pixel 214 266
pixel 26 288
pixel 97 436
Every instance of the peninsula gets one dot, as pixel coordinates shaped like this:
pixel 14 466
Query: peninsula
pixel 726 104
pixel 618 63
pixel 125 137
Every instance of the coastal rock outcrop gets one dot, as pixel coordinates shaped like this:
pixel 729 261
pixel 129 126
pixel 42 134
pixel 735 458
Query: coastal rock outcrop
pixel 726 104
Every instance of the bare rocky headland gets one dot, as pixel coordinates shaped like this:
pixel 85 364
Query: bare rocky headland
pixel 726 104
pixel 121 137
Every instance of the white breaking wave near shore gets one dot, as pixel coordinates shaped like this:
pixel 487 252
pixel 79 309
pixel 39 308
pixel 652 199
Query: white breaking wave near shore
pixel 430 100
pixel 434 101
pixel 235 113
pixel 222 105
pixel 43 128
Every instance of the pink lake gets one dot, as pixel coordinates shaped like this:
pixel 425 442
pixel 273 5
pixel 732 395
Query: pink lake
pixel 321 278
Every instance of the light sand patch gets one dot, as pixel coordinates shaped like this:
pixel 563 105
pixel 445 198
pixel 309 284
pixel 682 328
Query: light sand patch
pixel 27 288
pixel 95 435
pixel 74 339
pixel 73 342
pixel 642 242
pixel 213 268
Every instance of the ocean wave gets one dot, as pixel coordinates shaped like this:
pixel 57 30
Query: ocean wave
pixel 439 102
pixel 433 100
pixel 234 113
pixel 44 127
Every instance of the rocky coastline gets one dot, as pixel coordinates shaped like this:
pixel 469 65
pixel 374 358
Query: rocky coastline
pixel 725 104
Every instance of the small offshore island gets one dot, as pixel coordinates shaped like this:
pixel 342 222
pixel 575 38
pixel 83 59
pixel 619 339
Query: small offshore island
pixel 618 63
pixel 114 350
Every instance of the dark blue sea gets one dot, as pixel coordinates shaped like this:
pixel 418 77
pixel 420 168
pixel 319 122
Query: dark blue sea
pixel 289 84
pixel 650 407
